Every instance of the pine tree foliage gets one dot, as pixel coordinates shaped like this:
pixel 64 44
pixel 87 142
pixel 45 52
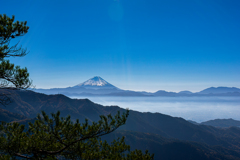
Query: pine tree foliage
pixel 9 30
pixel 60 138
pixel 11 76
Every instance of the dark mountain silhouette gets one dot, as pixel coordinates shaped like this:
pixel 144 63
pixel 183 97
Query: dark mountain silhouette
pixel 163 148
pixel 221 123
pixel 29 104
pixel 224 123
pixel 172 149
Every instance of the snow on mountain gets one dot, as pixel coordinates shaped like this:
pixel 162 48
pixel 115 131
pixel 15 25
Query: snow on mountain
pixel 95 82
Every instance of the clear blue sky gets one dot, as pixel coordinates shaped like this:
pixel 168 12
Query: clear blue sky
pixel 134 44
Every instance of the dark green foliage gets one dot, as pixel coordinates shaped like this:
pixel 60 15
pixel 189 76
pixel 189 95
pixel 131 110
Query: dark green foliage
pixel 11 76
pixel 60 137
pixel 9 30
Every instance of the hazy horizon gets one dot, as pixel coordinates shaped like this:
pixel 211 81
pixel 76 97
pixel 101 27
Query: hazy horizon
pixel 198 109
pixel 140 45
pixel 137 90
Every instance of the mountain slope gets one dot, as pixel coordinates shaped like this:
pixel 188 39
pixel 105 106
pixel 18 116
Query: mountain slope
pixel 224 123
pixel 172 149
pixel 163 148
pixel 30 103
pixel 9 116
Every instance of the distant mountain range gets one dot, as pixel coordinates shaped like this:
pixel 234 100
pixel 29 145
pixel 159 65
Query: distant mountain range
pixel 97 86
pixel 165 136
pixel 222 123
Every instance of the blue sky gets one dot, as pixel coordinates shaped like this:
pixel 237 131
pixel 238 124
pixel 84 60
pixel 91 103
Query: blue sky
pixel 134 44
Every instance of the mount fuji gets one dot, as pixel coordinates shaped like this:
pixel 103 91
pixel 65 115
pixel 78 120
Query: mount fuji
pixel 96 83
pixel 93 86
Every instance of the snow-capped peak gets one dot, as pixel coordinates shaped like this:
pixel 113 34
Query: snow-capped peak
pixel 95 81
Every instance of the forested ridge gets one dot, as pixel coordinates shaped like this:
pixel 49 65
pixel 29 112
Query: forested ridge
pixel 160 134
